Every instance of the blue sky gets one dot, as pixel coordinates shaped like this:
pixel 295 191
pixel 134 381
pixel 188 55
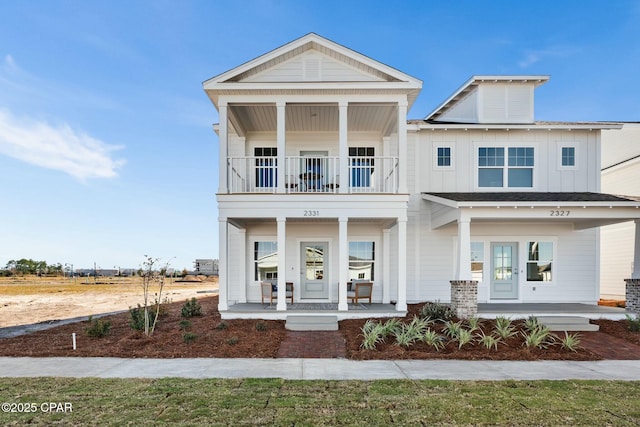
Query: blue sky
pixel 106 147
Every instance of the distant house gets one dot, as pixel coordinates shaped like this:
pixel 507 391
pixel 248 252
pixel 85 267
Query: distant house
pixel 620 175
pixel 322 180
pixel 207 267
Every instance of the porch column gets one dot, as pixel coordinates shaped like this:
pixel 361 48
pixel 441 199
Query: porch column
pixel 281 135
pixel 386 266
pixel 401 304
pixel 463 267
pixel 402 147
pixel 343 263
pixel 223 236
pixel 343 107
pixel 633 284
pixel 242 272
pixel 282 265
pixel 223 148
pixel 464 290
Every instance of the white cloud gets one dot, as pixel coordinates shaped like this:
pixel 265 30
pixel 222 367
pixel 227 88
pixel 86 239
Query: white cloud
pixel 534 56
pixel 60 148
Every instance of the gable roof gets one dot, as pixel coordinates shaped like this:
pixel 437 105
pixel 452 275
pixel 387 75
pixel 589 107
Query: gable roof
pixel 472 84
pixel 379 75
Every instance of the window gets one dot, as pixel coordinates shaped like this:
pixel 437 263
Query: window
pixel 444 156
pixel 266 162
pixel 361 260
pixel 539 260
pixel 517 174
pixel 265 259
pixel 477 260
pixel 361 166
pixel 568 156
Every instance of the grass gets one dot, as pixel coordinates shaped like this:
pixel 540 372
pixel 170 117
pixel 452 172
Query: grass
pixel 238 402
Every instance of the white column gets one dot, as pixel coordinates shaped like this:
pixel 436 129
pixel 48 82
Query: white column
pixel 343 136
pixel 636 252
pixel 343 263
pixel 401 304
pixel 463 267
pixel 223 148
pixel 402 147
pixel 242 273
pixel 281 136
pixel 223 284
pixel 386 266
pixel 282 265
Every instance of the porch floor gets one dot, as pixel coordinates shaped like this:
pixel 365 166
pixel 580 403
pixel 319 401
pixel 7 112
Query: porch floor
pixel 266 311
pixel 524 310
pixel 364 310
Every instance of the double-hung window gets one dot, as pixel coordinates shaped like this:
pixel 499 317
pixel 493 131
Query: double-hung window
pixel 516 171
pixel 361 260
pixel 539 261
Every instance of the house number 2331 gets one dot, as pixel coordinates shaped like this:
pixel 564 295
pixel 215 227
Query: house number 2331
pixel 311 212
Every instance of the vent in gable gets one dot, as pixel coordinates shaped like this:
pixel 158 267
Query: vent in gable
pixel 311 69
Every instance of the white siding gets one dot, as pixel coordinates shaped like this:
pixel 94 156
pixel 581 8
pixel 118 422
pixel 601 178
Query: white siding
pixel 548 174
pixel 505 103
pixel 311 66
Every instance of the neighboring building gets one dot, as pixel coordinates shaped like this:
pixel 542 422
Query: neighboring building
pixel 620 175
pixel 207 267
pixel 323 180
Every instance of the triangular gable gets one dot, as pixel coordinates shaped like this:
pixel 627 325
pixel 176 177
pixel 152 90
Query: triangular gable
pixel 308 59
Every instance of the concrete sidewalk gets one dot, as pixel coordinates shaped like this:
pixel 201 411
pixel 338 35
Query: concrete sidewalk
pixel 318 369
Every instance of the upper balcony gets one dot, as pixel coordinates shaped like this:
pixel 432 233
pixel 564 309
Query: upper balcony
pixel 313 174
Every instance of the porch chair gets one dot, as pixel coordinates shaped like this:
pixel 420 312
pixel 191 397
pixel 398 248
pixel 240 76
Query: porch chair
pixel 290 183
pixel 360 290
pixel 270 291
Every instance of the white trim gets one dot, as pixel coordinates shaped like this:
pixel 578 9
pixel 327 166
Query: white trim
pixel 559 147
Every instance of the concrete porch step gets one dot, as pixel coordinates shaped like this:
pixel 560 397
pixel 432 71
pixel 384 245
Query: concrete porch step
pixel 568 323
pixel 311 323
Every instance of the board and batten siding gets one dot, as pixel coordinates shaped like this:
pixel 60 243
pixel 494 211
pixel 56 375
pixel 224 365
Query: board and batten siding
pixel 549 175
pixel 312 66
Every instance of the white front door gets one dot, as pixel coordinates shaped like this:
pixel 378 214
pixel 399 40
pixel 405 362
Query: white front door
pixel 314 274
pixel 504 270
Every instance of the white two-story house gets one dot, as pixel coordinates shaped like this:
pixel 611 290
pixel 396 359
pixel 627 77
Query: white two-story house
pixel 323 181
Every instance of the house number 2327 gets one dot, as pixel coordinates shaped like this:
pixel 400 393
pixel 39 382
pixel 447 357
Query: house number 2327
pixel 559 213
pixel 311 213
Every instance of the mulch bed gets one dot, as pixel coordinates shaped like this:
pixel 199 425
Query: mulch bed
pixel 269 339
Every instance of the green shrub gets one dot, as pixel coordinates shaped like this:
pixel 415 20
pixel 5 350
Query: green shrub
pixel 232 341
pixel 433 339
pixel 261 326
pixel 570 342
pixel 488 341
pixel 191 308
pixel 531 323
pixel 98 327
pixel 465 336
pixel 136 317
pixel 634 324
pixel 540 337
pixel 504 329
pixel 222 326
pixel 189 337
pixel 185 324
pixel 373 334
pixel 436 311
pixel 452 329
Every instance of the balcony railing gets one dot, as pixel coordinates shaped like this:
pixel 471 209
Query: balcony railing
pixel 313 174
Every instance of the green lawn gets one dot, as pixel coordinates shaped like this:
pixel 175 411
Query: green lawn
pixel 320 403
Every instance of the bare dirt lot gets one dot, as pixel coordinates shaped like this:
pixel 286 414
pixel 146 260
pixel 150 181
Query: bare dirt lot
pixel 28 300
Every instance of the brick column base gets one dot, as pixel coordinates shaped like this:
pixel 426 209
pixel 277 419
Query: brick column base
pixel 633 295
pixel 464 298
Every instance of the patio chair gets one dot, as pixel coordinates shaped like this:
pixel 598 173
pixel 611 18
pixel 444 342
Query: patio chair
pixel 270 291
pixel 360 290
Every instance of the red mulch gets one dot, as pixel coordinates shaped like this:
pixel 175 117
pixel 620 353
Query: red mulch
pixel 269 339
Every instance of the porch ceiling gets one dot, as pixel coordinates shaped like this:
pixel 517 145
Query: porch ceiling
pixel 380 118
pixel 382 222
